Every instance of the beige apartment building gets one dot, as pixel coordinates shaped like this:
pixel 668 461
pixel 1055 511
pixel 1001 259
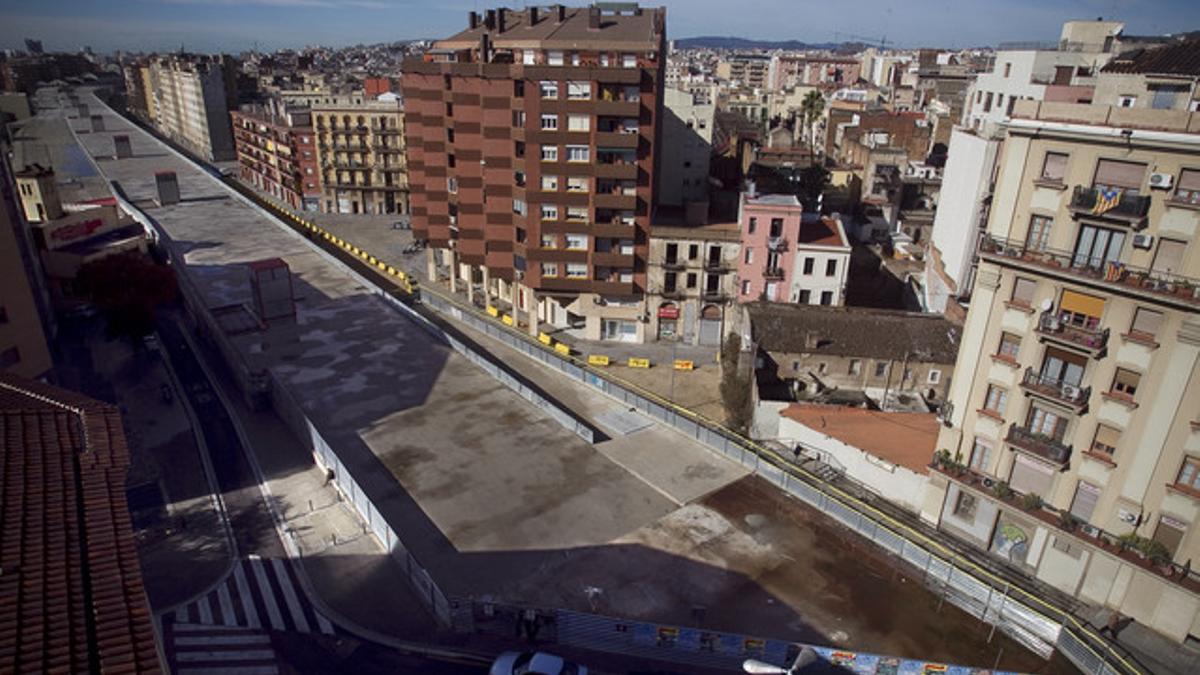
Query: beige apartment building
pixel 1078 381
pixel 691 273
pixel 191 97
pixel 360 150
pixel 23 348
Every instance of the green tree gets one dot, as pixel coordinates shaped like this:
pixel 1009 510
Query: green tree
pixel 812 106
pixel 735 386
pixel 128 288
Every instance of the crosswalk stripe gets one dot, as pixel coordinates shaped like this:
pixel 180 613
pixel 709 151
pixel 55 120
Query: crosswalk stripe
pixel 198 627
pixel 228 618
pixel 247 600
pixel 206 640
pixel 264 587
pixel 205 610
pixel 323 623
pixel 245 655
pixel 289 595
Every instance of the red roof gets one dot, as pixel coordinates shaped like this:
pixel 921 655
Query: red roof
pixel 71 595
pixel 904 438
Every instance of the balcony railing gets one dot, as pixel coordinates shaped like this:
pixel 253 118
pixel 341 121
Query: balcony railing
pixel 715 295
pixel 1092 340
pixel 1088 201
pixel 773 273
pixel 1054 388
pixel 777 243
pixel 715 266
pixel 1093 269
pixel 673 264
pixel 1043 446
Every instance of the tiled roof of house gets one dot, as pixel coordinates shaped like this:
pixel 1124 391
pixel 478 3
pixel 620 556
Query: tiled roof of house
pixel 851 331
pixel 1182 58
pixel 904 438
pixel 71 594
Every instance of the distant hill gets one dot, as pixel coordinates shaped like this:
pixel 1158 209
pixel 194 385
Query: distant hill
pixel 716 42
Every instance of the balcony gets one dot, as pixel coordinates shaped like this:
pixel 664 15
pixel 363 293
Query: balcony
pixel 673 264
pixel 1056 390
pixel 716 266
pixel 773 273
pixel 615 200
pixel 627 171
pixel 1041 445
pixel 777 244
pixel 616 139
pixel 1086 201
pixel 1113 277
pixel 715 295
pixel 1092 341
pixel 612 259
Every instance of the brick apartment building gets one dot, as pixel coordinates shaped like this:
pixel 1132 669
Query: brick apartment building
pixel 532 149
pixel 276 153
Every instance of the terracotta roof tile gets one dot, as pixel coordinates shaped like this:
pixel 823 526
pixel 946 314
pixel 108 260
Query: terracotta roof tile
pixel 903 438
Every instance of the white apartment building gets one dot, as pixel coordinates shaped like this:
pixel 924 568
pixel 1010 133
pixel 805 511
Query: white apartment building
pixel 192 96
pixel 822 262
pixel 686 149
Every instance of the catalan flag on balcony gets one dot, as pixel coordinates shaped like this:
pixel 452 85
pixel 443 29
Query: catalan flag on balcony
pixel 1106 200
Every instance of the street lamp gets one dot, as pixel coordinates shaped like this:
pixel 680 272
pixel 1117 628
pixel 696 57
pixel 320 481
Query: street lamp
pixel 806 657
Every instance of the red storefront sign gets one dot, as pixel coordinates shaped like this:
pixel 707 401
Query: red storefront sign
pixel 668 312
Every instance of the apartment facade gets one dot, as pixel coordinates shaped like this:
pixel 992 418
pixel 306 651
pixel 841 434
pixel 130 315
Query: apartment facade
pixel 192 97
pixel 1079 383
pixel 788 255
pixel 693 282
pixel 533 144
pixel 361 152
pixel 749 71
pixel 23 347
pixel 276 151
pixel 686 151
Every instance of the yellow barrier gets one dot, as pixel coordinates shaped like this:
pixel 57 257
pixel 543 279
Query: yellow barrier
pixel 507 320
pixel 544 339
pixel 639 363
pixel 597 360
pixel 492 311
pixel 563 349
pixel 684 364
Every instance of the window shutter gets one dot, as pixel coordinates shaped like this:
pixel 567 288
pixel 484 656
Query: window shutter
pixel 1078 303
pixel 1029 477
pixel 1126 175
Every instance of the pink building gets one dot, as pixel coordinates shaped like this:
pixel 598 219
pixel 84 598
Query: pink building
pixel 790 256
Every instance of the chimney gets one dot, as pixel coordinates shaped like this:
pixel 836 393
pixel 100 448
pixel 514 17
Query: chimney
pixel 501 19
pixel 489 19
pixel 485 48
pixel 472 20
pixel 593 18
pixel 122 148
pixel 532 17
pixel 561 13
pixel 97 122
pixel 168 187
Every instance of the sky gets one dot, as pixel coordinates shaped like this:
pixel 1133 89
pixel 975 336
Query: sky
pixel 234 25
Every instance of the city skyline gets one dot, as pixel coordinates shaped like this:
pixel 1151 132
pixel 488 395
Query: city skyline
pixel 233 25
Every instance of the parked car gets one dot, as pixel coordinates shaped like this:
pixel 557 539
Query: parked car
pixel 534 663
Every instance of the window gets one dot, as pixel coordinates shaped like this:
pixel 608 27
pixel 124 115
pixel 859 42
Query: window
pixel 826 297
pixel 1126 101
pixel 549 153
pixel 1010 344
pixel 579 123
pixel 808 265
pixel 548 88
pixel 549 212
pixel 693 251
pixel 449 135
pixel 1030 477
pixel 549 269
pixel 1168 259
pixel 549 241
pixel 629 60
pixel 577 184
pixel 1127 176
pixel 528 57
pixel 881 368
pixel 691 280
pixel 1189 474
pixel 855 367
pixel 579 91
pixel 549 122
pixel 750 227
pixel 996 400
pixel 981 455
pixel 578 153
pixel 749 257
pixel 1105 440
pixel 1163 96
pixel 822 368
pixel 934 377
pixel 549 183
pixel 1084 502
pixel 577 242
pixel 1126 382
pixel 1170 533
pixel 519 206
pixel 574 58
pixel 1188 189
pixel 831 267
pixel 1146 323
pixel 576 270
pixel 1046 422
pixel 1097 246
pixel 451 161
pixel 452 185
pixel 776 227
pixel 519 149
pixel 965 505
pixel 1007 69
pixel 805 297
pixel 745 287
pixel 1055 167
pixel 1023 290
pixel 554 58
pixel 518 118
pixel 1038 237
pixel 577 213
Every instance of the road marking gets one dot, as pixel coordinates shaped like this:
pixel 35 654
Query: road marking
pixel 228 618
pixel 247 600
pixel 245 655
pixel 323 623
pixel 205 610
pixel 197 627
pixel 289 594
pixel 264 588
pixel 206 640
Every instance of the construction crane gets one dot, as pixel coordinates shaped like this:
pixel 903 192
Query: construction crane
pixel 882 42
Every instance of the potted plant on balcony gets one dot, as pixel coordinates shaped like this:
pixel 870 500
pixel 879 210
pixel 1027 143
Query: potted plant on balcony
pixel 1031 502
pixel 1003 491
pixel 1183 289
pixel 1068 521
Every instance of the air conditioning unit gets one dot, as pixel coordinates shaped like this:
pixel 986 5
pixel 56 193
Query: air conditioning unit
pixel 989 482
pixel 1143 241
pixel 1070 391
pixel 1162 181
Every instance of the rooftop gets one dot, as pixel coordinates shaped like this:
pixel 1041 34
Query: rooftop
pixel 854 331
pixel 904 438
pixel 71 595
pixel 1182 58
pixel 636 29
pixel 823 231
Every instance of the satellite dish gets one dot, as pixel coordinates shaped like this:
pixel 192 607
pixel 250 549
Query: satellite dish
pixel 1047 304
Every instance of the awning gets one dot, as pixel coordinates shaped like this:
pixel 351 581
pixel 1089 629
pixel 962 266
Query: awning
pixel 1078 303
